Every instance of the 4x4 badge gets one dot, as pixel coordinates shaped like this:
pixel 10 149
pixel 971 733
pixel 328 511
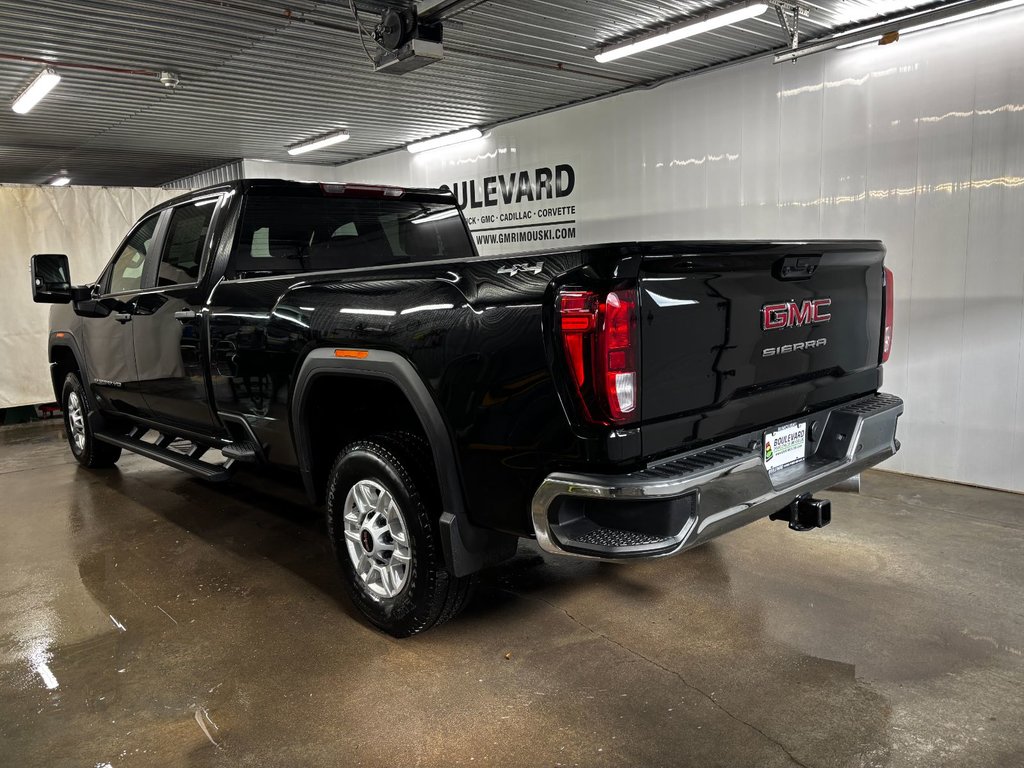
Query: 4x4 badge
pixel 515 269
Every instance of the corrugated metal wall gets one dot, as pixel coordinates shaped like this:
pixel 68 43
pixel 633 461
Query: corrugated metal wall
pixel 218 175
pixel 920 144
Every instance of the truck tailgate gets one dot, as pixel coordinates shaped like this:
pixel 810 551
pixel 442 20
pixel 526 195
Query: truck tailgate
pixel 739 335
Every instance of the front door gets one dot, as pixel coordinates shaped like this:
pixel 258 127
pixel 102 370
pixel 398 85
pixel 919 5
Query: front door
pixel 107 335
pixel 169 325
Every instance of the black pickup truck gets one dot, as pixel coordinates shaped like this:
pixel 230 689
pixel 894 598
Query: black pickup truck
pixel 615 401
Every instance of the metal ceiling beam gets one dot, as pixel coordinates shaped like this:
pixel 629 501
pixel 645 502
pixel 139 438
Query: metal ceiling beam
pixel 944 11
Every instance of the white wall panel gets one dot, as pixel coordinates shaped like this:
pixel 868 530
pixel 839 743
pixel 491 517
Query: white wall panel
pixel 723 125
pixel 991 374
pixel 945 89
pixel 844 147
pixel 760 107
pixel 919 144
pixel 801 100
pixel 889 210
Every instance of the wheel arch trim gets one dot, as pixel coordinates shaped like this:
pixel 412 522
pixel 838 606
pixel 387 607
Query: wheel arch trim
pixel 68 341
pixel 467 547
pixel 391 367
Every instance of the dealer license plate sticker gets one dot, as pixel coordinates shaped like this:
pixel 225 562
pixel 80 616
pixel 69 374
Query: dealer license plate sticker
pixel 785 446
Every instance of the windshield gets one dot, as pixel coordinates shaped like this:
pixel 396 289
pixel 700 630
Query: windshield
pixel 293 233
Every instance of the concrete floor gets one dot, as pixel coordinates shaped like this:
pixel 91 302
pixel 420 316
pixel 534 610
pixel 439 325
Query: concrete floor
pixel 179 624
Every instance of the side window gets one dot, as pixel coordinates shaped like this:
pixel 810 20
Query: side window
pixel 129 265
pixel 186 236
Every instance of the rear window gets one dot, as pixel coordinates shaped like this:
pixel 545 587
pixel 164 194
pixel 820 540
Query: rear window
pixel 309 234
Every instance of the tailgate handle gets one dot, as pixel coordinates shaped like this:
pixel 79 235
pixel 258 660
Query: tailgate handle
pixel 795 267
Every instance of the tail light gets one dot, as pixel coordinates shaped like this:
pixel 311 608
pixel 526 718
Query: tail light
pixel 601 340
pixel 887 319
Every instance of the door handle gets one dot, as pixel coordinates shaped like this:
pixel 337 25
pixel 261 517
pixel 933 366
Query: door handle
pixel 185 314
pixel 123 317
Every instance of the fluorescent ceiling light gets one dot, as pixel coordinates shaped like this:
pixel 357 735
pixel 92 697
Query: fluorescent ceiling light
pixel 44 82
pixel 445 141
pixel 965 15
pixel 896 28
pixel 60 181
pixel 318 143
pixel 706 23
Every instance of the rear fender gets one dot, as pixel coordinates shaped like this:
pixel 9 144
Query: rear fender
pixel 467 547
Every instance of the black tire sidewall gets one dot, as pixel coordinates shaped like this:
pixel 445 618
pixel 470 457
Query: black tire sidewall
pixel 94 454
pixel 413 607
pixel 73 384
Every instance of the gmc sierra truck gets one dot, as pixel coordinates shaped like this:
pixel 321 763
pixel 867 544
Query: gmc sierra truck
pixel 617 401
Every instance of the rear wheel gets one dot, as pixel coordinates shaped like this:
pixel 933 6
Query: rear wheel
pixel 382 514
pixel 87 450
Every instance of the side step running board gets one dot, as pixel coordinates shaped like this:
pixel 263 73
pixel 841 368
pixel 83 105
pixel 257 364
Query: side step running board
pixel 160 451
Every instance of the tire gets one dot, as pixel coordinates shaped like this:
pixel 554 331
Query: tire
pixel 395 577
pixel 87 450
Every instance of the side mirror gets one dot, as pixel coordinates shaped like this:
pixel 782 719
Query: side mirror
pixel 51 279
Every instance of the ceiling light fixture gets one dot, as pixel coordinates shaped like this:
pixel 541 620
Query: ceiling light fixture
pixel 60 181
pixel 706 23
pixel 445 141
pixel 964 16
pixel 891 30
pixel 318 143
pixel 43 83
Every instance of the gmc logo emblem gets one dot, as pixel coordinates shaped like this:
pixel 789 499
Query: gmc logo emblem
pixel 789 314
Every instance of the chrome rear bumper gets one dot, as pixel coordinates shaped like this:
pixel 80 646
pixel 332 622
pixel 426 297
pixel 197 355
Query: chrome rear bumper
pixel 681 502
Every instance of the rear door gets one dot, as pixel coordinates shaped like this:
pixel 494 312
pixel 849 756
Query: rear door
pixel 738 336
pixel 169 329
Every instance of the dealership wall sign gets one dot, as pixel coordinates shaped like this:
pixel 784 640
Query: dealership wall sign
pixel 524 206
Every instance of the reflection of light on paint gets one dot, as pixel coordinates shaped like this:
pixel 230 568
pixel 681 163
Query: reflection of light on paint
pixel 49 680
pixel 427 308
pixel 435 216
pixel 380 312
pixel 245 315
pixel 289 317
pixel 668 301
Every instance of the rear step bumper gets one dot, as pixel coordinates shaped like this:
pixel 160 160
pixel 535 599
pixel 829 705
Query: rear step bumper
pixel 687 500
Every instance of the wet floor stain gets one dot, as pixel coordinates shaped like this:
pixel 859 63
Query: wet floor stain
pixel 149 619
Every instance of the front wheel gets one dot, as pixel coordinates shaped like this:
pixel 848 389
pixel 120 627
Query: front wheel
pixel 87 450
pixel 382 514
